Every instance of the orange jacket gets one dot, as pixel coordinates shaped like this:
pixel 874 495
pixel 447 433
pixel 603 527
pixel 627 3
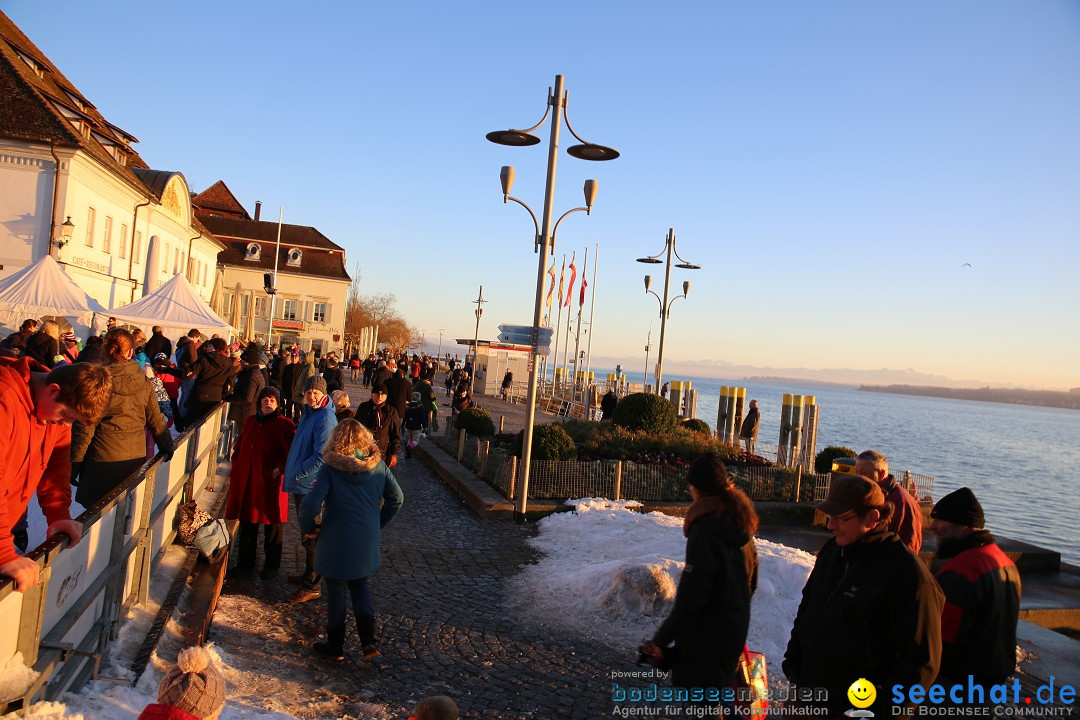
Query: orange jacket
pixel 33 455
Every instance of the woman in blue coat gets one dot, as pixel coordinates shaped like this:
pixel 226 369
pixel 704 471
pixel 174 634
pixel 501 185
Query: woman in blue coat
pixel 353 482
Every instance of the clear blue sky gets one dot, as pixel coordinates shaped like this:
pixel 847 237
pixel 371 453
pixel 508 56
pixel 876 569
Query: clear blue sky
pixel 831 165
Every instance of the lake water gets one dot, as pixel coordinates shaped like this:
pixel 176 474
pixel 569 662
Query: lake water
pixel 1022 462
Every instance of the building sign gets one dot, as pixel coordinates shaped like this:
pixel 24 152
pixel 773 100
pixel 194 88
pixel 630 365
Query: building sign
pixel 288 324
pixel 84 263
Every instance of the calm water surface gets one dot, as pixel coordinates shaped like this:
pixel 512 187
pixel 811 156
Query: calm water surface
pixel 1022 462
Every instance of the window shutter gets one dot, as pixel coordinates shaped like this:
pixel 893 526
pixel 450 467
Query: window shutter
pixel 329 313
pixel 308 311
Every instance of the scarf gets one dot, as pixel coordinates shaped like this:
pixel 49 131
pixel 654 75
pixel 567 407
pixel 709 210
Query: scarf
pixel 264 418
pixel 704 505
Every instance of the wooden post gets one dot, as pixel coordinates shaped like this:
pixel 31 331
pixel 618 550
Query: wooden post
pixel 461 444
pixel 618 480
pixel 502 423
pixel 511 486
pixel 785 431
pixel 798 483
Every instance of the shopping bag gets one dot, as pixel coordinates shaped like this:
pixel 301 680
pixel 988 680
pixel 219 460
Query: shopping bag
pixel 752 685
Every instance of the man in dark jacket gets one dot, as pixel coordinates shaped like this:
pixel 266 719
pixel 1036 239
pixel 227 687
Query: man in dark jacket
pixel 749 429
pixel 428 401
pixel 384 423
pixel 870 608
pixel 906 519
pixel 382 374
pixel 607 405
pixel 398 390
pixel 982 595
pixel 158 343
pixel 211 371
pixel 335 379
pixel 243 401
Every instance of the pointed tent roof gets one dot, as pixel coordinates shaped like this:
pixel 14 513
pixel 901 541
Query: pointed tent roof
pixel 43 288
pixel 177 308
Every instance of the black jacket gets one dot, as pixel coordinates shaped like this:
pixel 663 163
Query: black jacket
pixel 398 390
pixel 750 424
pixel 384 423
pixel 334 378
pixel 711 616
pixel 869 610
pixel 158 343
pixel 43 347
pixel 982 604
pixel 211 371
pixel 244 400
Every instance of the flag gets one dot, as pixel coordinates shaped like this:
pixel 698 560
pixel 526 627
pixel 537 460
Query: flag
pixel 562 277
pixel 551 285
pixel 584 284
pixel 573 277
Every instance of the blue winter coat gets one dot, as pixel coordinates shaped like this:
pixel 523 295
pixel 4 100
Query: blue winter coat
pixel 352 520
pixel 306 453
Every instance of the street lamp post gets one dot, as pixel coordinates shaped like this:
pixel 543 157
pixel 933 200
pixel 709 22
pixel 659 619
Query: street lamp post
pixel 440 345
pixel 479 301
pixel 665 305
pixel 544 240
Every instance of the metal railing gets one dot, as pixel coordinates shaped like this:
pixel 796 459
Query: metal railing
pixel 64 625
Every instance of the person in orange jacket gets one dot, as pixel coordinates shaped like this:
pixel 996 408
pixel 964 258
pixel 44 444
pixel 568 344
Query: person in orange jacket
pixel 37 407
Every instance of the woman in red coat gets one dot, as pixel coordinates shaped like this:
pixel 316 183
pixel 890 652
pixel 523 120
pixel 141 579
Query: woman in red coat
pixel 255 496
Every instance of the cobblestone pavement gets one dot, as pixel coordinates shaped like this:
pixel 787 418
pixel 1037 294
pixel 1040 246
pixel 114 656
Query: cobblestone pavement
pixel 441 599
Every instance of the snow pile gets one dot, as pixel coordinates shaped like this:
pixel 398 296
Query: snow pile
pixel 611 573
pixel 15 678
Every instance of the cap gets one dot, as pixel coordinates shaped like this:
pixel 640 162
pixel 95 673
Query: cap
pixel 315 382
pixel 193 685
pixel 851 492
pixel 960 507
pixel 378 388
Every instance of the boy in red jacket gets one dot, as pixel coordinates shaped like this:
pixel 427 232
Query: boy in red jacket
pixel 37 407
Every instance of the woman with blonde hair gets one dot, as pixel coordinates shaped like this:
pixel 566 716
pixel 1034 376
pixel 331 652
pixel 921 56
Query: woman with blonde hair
pixel 342 405
pixel 353 483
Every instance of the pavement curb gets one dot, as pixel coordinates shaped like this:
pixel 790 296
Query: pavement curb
pixel 477 494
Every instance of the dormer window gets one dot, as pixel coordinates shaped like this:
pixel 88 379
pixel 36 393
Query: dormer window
pixel 294 257
pixel 253 252
pixel 38 70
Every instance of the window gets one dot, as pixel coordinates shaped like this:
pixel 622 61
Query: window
pixel 319 315
pixel 288 311
pixel 136 253
pixel 252 252
pixel 226 304
pixel 165 259
pixel 123 241
pixel 91 218
pixel 294 257
pixel 260 306
pixel 106 241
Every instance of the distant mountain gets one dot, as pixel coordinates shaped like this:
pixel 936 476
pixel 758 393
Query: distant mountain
pixel 1015 396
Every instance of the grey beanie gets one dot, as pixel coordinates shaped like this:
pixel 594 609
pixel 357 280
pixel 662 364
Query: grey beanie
pixel 315 382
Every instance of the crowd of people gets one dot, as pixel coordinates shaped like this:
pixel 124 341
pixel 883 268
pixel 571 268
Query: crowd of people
pixel 89 416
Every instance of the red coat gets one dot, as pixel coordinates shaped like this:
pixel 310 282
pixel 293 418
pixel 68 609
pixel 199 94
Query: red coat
pixel 33 455
pixel 155 711
pixel 258 464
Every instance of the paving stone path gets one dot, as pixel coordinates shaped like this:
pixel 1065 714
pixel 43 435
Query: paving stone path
pixel 441 599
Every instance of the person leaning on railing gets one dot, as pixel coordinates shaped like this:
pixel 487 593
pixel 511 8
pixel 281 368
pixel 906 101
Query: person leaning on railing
pixel 36 411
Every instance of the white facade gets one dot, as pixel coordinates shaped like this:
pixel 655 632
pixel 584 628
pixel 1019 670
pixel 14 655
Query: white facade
pixel 114 221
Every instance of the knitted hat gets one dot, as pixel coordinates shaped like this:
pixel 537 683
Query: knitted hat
pixel 708 474
pixel 269 390
pixel 193 685
pixel 960 507
pixel 315 382
pixel 851 492
pixel 68 336
pixel 250 356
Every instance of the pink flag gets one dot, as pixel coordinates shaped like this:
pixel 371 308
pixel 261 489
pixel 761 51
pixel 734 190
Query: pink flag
pixel 570 287
pixel 584 284
pixel 551 286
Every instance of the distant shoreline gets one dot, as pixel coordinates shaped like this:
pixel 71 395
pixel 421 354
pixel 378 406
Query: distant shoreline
pixel 1010 396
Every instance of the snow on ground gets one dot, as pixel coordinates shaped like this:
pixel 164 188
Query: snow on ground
pixel 611 573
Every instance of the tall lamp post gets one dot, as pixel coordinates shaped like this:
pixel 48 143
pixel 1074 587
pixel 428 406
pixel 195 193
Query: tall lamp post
pixel 479 302
pixel 665 305
pixel 544 240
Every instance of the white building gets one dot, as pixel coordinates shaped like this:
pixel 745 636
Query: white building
pixel 312 283
pixel 65 168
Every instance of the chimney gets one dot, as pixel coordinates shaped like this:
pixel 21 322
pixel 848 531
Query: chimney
pixel 258 209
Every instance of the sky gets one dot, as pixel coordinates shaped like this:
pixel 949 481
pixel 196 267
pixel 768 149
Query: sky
pixel 865 185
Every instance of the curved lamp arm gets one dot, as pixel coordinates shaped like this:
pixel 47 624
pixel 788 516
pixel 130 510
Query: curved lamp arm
pixel 685 292
pixel 536 225
pixel 555 230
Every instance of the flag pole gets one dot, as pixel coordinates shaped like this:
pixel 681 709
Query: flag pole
pixel 577 338
pixel 273 295
pixel 592 312
pixel 558 323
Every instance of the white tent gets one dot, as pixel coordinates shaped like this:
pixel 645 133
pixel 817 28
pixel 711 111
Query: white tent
pixel 177 308
pixel 43 289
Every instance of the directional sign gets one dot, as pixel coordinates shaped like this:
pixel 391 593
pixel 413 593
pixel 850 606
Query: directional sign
pixel 539 338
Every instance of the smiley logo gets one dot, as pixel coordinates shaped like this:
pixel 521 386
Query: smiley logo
pixel 862 693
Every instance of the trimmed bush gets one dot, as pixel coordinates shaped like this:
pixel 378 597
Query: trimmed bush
pixel 645 411
pixel 824 460
pixel 475 421
pixel 549 442
pixel 697 425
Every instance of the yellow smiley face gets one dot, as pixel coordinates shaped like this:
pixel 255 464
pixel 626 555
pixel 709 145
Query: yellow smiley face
pixel 862 693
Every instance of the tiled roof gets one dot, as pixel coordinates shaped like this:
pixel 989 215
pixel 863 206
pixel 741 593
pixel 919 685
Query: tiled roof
pixel 320 263
pixel 302 236
pixel 37 108
pixel 218 199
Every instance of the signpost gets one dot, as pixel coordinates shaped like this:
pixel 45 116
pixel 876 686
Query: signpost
pixel 538 338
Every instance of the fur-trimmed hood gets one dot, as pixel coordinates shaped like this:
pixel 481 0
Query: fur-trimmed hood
pixel 351 463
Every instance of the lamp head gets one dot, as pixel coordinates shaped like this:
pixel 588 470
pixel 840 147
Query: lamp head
pixel 506 176
pixel 685 288
pixel 687 266
pixel 650 261
pixel 513 138
pixel 648 281
pixel 591 186
pixel 589 151
pixel 67 229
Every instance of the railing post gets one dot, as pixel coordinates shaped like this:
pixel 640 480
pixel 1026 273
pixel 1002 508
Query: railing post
pixel 618 480
pixel 502 423
pixel 461 444
pixel 482 451
pixel 798 483
pixel 32 617
pixel 512 485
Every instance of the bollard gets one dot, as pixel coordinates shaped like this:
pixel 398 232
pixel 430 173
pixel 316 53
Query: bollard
pixel 618 480
pixel 796 429
pixel 785 431
pixel 502 423
pixel 740 413
pixel 810 425
pixel 461 444
pixel 731 431
pixel 721 414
